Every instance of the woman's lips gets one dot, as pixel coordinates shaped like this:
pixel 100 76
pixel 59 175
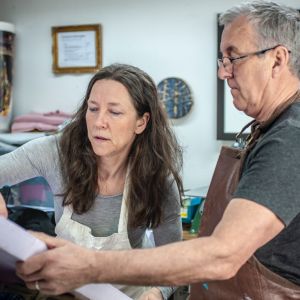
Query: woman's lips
pixel 100 138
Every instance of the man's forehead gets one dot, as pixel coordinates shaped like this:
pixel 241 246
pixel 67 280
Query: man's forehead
pixel 237 35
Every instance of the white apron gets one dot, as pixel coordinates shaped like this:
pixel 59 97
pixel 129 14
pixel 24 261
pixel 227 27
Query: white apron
pixel 80 234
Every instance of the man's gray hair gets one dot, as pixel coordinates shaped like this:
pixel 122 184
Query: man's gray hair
pixel 274 23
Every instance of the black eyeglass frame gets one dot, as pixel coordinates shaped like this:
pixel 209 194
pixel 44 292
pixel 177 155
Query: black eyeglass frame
pixel 233 59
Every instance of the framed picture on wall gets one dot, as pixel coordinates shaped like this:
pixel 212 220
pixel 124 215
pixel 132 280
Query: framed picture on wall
pixel 77 48
pixel 230 121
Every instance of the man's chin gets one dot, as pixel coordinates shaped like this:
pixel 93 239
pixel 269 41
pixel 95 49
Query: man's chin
pixel 238 104
pixel 242 108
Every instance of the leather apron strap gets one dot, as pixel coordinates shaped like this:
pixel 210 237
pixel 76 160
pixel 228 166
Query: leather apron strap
pixel 253 281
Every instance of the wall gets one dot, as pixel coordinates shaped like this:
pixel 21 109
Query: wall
pixel 163 37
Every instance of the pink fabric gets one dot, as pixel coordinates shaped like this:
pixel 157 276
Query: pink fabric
pixel 48 121
pixel 29 192
pixel 30 126
pixel 58 113
pixel 54 118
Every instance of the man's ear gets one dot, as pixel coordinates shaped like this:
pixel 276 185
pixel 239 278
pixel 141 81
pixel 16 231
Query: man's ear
pixel 142 122
pixel 282 57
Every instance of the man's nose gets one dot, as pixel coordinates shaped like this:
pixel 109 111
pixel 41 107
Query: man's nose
pixel 223 74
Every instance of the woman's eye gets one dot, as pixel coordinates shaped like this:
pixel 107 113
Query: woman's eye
pixel 93 109
pixel 116 113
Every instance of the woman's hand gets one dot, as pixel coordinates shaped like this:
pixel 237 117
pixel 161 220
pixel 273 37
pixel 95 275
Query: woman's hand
pixel 152 294
pixel 3 209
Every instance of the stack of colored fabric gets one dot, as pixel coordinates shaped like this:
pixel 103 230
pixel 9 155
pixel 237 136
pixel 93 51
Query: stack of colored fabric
pixel 45 122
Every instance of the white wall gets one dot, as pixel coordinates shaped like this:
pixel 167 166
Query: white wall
pixel 163 37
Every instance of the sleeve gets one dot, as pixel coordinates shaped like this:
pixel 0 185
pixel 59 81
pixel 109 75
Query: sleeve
pixel 170 230
pixel 33 159
pixel 271 175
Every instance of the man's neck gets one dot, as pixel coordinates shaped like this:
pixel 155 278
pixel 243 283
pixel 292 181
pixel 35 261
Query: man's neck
pixel 277 97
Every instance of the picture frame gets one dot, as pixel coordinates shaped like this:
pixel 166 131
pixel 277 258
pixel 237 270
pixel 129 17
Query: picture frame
pixel 76 48
pixel 230 121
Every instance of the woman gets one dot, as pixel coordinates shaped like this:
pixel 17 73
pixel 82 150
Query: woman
pixel 114 170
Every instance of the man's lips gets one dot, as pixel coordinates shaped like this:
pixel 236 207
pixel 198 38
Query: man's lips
pixel 232 85
pixel 233 89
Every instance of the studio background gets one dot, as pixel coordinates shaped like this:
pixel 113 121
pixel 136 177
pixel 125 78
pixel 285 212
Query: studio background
pixel 166 38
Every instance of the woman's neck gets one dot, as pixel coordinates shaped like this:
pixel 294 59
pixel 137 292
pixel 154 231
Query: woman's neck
pixel 111 176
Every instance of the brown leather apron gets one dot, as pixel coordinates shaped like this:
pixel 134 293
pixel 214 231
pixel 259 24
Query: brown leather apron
pixel 253 281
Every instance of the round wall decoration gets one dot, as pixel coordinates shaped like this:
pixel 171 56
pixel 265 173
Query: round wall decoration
pixel 176 97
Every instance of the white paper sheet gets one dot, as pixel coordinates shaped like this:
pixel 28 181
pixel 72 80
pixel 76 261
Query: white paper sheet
pixel 18 244
pixel 15 244
pixel 101 292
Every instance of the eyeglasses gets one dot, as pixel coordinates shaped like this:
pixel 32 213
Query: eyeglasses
pixel 227 62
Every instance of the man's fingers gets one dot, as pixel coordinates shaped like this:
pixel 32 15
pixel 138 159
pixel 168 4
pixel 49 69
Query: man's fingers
pixel 3 209
pixel 3 212
pixel 28 270
pixel 50 241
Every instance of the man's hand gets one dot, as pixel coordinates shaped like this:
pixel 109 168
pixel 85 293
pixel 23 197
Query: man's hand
pixel 3 209
pixel 152 294
pixel 64 267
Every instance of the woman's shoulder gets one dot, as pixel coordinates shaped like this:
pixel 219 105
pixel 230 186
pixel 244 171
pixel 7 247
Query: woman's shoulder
pixel 42 146
pixel 172 192
pixel 44 140
pixel 171 184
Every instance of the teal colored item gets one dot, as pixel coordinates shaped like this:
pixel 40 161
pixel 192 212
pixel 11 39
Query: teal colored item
pixel 196 222
pixel 205 285
pixel 190 206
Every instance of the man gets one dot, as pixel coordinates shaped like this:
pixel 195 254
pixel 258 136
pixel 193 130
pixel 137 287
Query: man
pixel 261 63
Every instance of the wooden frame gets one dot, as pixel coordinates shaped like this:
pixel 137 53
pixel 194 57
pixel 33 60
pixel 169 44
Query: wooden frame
pixel 77 49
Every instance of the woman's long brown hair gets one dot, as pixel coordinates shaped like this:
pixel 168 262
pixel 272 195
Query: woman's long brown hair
pixel 155 155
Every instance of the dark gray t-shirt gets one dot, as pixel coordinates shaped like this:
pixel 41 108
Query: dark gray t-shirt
pixel 40 158
pixel 271 177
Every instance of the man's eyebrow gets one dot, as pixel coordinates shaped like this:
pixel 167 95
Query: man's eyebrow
pixel 230 49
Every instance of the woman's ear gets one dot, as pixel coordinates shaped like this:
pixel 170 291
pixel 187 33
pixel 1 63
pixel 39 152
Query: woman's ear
pixel 142 122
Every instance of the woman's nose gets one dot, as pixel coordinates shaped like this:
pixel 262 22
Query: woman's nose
pixel 101 120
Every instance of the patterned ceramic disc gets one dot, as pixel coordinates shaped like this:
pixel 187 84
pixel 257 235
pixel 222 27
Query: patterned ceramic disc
pixel 176 97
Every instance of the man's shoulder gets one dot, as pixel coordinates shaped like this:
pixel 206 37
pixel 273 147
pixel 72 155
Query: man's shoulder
pixel 291 116
pixel 287 124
